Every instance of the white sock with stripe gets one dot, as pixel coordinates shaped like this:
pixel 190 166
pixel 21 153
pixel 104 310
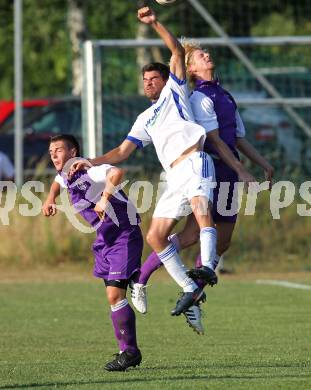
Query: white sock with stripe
pixel 208 239
pixel 174 266
pixel 173 238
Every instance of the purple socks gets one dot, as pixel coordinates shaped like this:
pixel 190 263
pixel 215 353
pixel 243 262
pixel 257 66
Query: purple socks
pixel 152 263
pixel 124 325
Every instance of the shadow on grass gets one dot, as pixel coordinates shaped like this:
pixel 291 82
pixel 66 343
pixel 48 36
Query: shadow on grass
pixel 148 380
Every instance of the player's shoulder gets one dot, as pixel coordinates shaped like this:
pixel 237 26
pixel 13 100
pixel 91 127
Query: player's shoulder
pixel 60 180
pixel 196 95
pixel 99 172
pixel 200 98
pixel 176 80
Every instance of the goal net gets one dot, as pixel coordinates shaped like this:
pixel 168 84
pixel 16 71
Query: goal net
pixel 270 77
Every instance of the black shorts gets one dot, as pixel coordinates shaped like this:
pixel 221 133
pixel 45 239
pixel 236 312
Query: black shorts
pixel 120 283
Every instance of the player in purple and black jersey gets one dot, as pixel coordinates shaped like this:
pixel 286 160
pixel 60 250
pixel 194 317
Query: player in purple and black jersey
pixel 118 245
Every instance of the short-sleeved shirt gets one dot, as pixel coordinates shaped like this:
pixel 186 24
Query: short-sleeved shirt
pixel 168 124
pixel 214 108
pixel 6 167
pixel 85 189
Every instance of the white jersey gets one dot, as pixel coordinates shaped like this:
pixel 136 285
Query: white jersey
pixel 204 114
pixel 168 124
pixel 97 174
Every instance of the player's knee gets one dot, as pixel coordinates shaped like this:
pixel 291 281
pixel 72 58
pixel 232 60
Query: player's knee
pixel 153 239
pixel 114 296
pixel 150 238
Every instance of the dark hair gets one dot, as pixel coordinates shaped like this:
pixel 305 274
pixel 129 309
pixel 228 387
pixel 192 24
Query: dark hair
pixel 163 69
pixel 70 141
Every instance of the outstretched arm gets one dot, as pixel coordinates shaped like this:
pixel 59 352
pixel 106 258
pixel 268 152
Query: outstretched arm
pixel 228 157
pixel 114 156
pixel 177 62
pixel 250 152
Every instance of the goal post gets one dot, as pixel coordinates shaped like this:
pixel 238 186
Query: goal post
pixel 111 101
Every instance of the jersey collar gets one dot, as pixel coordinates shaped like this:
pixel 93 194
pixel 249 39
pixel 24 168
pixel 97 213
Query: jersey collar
pixel 206 83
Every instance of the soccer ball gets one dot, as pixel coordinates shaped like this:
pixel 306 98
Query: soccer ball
pixel 165 2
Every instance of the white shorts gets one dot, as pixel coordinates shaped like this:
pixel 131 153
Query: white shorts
pixel 193 176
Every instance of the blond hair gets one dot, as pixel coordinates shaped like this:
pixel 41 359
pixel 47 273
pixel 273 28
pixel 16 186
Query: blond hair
pixel 190 46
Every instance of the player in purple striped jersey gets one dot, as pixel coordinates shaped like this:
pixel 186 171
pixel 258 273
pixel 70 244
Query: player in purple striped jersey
pixel 118 244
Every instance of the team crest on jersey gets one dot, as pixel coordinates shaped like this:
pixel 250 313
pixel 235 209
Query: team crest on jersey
pixel 82 186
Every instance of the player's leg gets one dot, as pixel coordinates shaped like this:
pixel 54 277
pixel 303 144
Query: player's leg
pixel 224 236
pixel 225 223
pixel 187 237
pixel 124 324
pixel 208 239
pixel 117 264
pixel 157 238
pixel 200 194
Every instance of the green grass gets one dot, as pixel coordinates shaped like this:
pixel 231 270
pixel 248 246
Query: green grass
pixel 57 334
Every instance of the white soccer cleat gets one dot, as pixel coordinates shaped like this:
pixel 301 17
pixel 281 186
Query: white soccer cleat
pixel 193 317
pixel 139 297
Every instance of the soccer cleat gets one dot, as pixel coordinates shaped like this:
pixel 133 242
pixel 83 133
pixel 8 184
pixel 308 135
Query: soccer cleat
pixel 204 273
pixel 188 299
pixel 193 317
pixel 123 361
pixel 139 297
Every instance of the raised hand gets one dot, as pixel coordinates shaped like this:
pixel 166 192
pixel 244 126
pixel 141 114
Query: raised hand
pixel 146 15
pixel 78 166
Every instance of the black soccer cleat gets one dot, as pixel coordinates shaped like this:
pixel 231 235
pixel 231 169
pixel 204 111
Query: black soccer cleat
pixel 188 299
pixel 123 361
pixel 204 273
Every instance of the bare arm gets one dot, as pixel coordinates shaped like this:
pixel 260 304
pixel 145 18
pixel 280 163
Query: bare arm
pixel 49 206
pixel 228 157
pixel 116 155
pixel 252 154
pixel 177 62
pixel 113 179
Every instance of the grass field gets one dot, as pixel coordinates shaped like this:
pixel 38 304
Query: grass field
pixel 56 333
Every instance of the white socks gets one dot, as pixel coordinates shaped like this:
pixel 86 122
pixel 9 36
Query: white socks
pixel 208 239
pixel 174 266
pixel 119 305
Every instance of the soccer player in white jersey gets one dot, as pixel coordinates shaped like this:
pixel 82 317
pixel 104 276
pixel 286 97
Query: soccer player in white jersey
pixel 178 140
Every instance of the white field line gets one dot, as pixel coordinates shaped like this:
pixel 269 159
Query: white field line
pixel 284 283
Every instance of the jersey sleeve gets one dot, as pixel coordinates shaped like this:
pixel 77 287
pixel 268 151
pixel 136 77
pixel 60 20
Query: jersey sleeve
pixel 240 129
pixel 177 85
pixel 98 174
pixel 138 135
pixel 60 181
pixel 203 111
